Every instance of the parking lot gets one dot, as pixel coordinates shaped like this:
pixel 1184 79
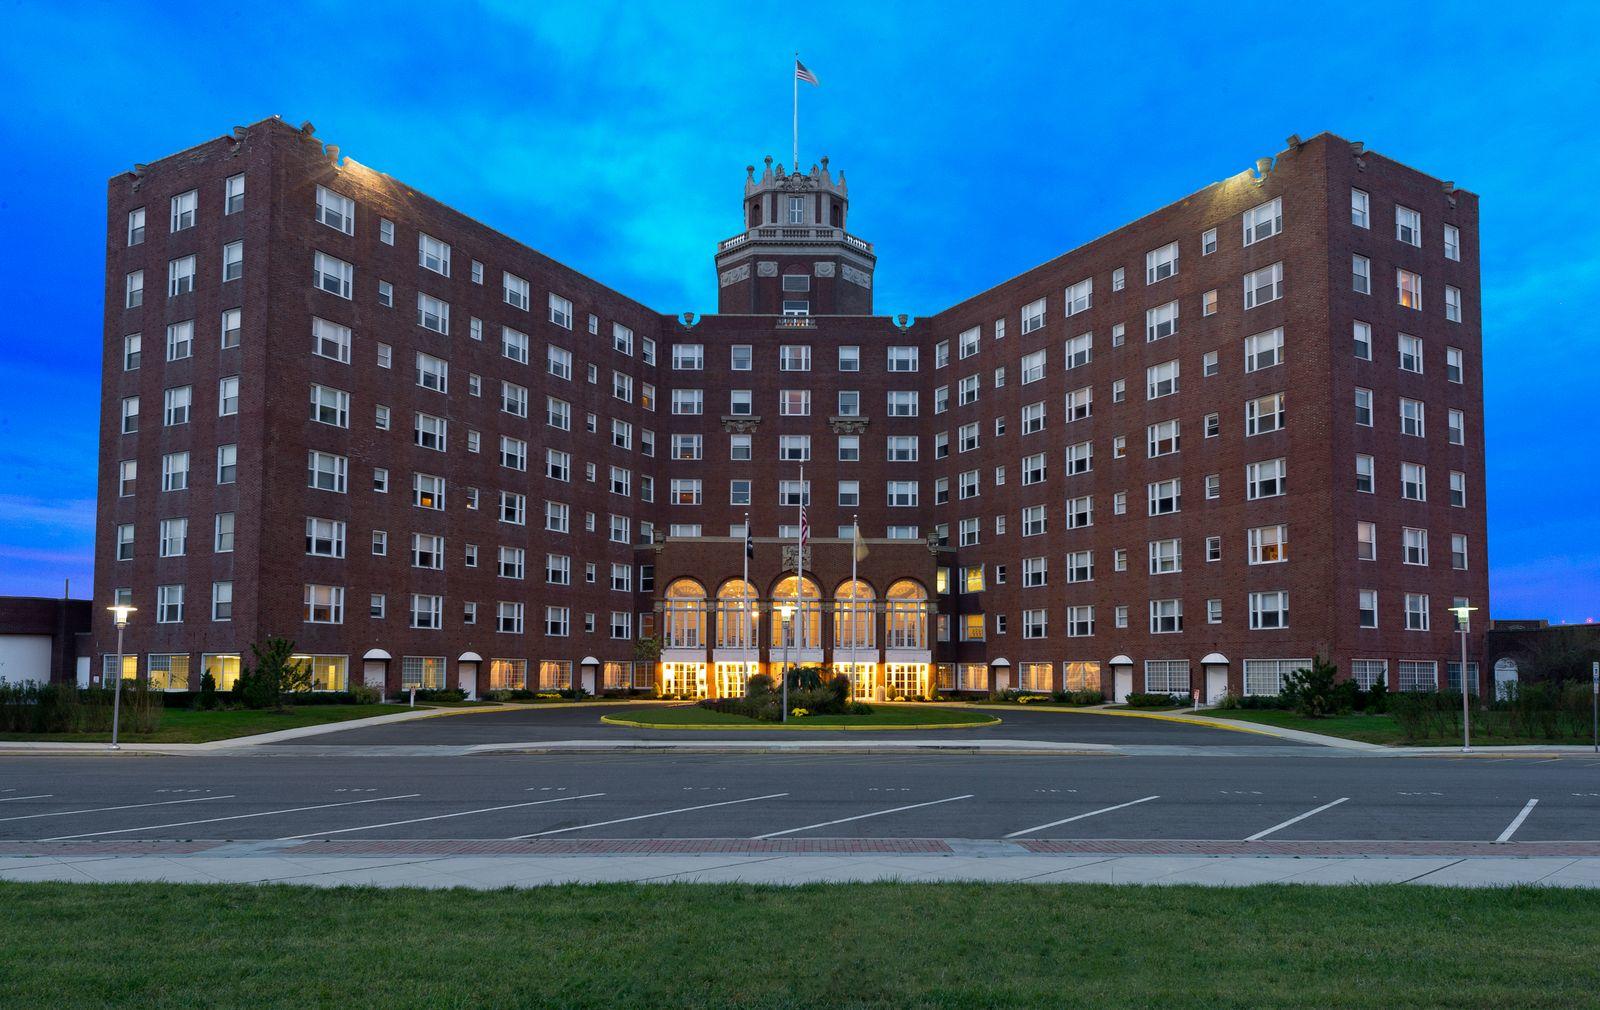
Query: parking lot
pixel 709 796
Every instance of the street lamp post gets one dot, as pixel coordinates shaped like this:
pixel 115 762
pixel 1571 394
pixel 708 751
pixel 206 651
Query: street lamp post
pixel 120 614
pixel 1462 622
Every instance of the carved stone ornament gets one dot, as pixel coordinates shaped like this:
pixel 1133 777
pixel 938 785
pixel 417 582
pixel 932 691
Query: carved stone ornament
pixel 855 276
pixel 767 268
pixel 788 557
pixel 794 182
pixel 740 424
pixel 848 425
pixel 737 274
pixel 824 269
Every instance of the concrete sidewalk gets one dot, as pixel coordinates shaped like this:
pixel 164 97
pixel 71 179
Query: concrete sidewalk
pixel 487 872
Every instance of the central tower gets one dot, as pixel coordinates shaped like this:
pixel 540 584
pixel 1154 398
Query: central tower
pixel 795 256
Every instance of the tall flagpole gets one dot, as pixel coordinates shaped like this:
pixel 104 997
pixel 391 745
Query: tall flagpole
pixel 855 599
pixel 794 166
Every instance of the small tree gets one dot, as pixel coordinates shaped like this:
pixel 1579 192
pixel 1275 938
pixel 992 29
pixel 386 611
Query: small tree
pixel 1312 692
pixel 262 684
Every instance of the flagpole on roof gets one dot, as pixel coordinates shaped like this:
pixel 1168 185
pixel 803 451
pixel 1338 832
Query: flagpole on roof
pixel 794 165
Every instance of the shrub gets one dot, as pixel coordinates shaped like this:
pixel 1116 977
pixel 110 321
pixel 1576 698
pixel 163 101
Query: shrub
pixel 208 692
pixel 262 684
pixel 1141 699
pixel 436 694
pixel 1314 692
pixel 361 694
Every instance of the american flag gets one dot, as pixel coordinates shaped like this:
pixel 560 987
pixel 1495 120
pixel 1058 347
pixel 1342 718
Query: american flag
pixel 805 527
pixel 802 74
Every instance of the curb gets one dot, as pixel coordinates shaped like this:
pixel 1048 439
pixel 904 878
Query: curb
pixel 615 720
pixel 1296 735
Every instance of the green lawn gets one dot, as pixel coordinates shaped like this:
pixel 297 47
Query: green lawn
pixel 1376 728
pixel 183 725
pixel 822 945
pixel 882 717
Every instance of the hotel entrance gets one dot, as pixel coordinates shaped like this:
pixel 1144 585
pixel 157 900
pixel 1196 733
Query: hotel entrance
pixel 863 679
pixel 733 679
pixel 683 680
pixel 906 680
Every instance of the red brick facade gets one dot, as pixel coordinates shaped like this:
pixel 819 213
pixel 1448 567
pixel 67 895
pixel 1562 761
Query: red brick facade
pixel 269 567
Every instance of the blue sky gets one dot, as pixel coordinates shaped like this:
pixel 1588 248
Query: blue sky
pixel 979 140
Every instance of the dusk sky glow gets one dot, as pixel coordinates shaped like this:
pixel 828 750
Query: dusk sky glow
pixel 979 141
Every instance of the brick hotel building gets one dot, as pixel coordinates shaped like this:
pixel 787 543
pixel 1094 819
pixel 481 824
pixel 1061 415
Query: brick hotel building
pixel 1239 432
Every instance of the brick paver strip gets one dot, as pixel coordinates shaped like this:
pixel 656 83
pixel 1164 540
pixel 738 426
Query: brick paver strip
pixel 119 847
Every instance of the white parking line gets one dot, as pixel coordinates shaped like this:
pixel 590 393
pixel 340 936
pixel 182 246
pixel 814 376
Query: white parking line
pixel 859 817
pixel 41 796
pixel 1511 829
pixel 641 817
pixel 1079 817
pixel 438 817
pixel 235 817
pixel 1295 820
pixel 101 810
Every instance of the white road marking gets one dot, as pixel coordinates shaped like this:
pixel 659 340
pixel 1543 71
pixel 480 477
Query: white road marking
pixel 1079 817
pixel 860 817
pixel 235 817
pixel 641 817
pixel 1511 829
pixel 438 817
pixel 41 796
pixel 1295 820
pixel 101 810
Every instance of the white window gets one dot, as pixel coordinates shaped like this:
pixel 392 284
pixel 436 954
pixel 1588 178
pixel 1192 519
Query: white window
pixel 849 358
pixel 1360 209
pixel 794 358
pixel 516 293
pixel 1033 418
pixel 330 340
pixel 1159 264
pixel 1269 610
pixel 335 211
pixel 1362 335
pixel 1161 380
pixel 1032 367
pixel 902 359
pixel 1079 350
pixel 1208 241
pixel 1263 221
pixel 136 227
pixel 1161 321
pixel 180 340
pixel 133 291
pixel 1033 315
pixel 688 357
pixel 1263 350
pixel 558 362
pixel 902 403
pixel 1080 458
pixel 427 612
pixel 1165 496
pixel 1166 617
pixel 176 405
pixel 1365 474
pixel 1416 616
pixel 327 472
pixel 1166 556
pixel 332 275
pixel 1033 521
pixel 1079 296
pixel 1408 289
pixel 1411 417
pixel 1162 438
pixel 1410 353
pixel 232 261
pixel 174 538
pixel 1264 414
pixel 1363 407
pixel 227 463
pixel 1458 489
pixel 433 254
pixel 1413 482
pixel 560 309
pixel 1265 676
pixel 1452 242
pixel 1458 551
pixel 1366 541
pixel 1407 225
pixel 1452 303
pixel 1264 285
pixel 222 601
pixel 433 313
pixel 1269 545
pixel 180 276
pixel 1361 274
pixel 1265 479
pixel 1367 608
pixel 169 604
pixel 184 206
pixel 330 406
pixel 902 493
pixel 1414 545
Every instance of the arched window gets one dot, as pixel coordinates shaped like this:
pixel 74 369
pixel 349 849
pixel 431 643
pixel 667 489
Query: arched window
pixel 799 621
pixel 853 617
pixel 907 615
pixel 685 615
pixel 738 606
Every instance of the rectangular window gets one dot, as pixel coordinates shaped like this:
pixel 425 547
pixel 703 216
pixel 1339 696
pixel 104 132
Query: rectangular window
pixel 1366 541
pixel 1407 226
pixel 1159 264
pixel 1367 609
pixel 1408 289
pixel 1362 336
pixel 133 293
pixel 1413 482
pixel 1411 417
pixel 1033 315
pixel 1263 350
pixel 1365 474
pixel 433 254
pixel 1264 414
pixel 1363 407
pixel 1416 617
pixel 232 261
pixel 1360 209
pixel 1166 617
pixel 1269 610
pixel 332 275
pixel 335 211
pixel 1269 545
pixel 1161 321
pixel 1452 303
pixel 560 309
pixel 136 227
pixel 184 206
pixel 1263 221
pixel 1452 242
pixel 1165 496
pixel 1264 285
pixel 1161 380
pixel 180 276
pixel 1361 274
pixel 1265 479
pixel 794 358
pixel 1079 351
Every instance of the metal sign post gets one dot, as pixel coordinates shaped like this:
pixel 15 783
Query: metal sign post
pixel 1594 703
